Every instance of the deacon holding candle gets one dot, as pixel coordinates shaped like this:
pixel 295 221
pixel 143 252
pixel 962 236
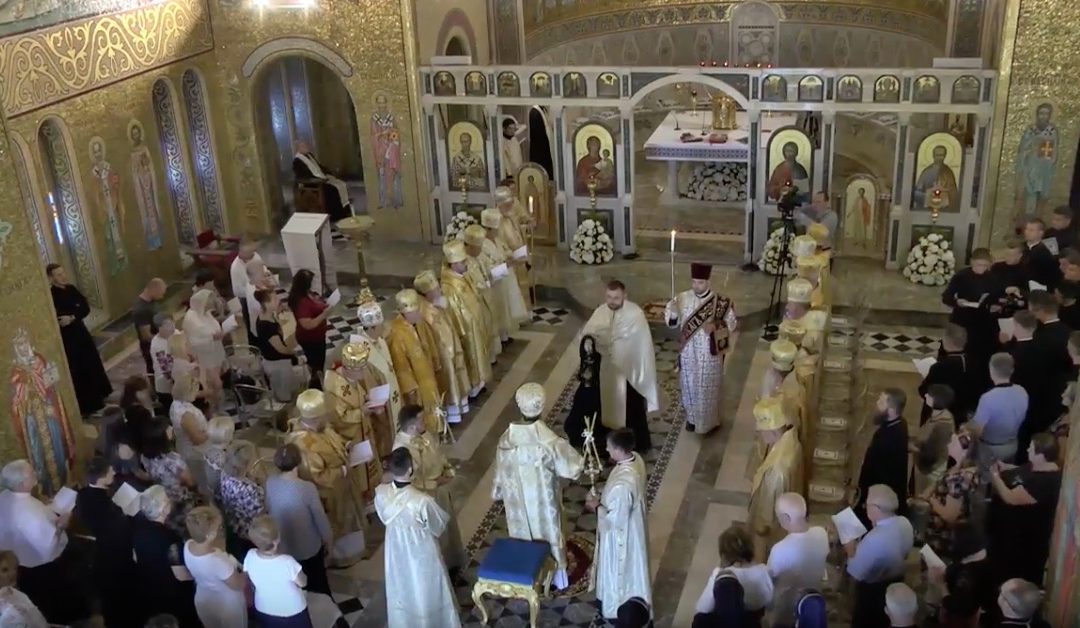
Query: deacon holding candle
pixel 708 322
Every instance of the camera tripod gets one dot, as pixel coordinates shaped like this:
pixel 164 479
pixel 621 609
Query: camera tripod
pixel 787 205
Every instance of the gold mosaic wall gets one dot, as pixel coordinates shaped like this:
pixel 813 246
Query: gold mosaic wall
pixel 1036 64
pixel 371 38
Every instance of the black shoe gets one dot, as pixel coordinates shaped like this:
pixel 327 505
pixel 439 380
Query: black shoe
pixel 689 426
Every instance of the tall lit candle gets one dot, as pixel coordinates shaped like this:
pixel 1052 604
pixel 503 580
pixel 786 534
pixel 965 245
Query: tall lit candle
pixel 672 240
pixel 672 263
pixel 530 205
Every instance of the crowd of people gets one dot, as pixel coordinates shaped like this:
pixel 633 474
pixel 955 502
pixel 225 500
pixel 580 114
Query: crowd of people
pixel 181 519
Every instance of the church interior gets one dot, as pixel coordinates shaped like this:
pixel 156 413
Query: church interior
pixel 144 139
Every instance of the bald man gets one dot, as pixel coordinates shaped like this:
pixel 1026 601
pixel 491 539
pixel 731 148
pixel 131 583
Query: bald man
pixel 797 561
pixel 142 314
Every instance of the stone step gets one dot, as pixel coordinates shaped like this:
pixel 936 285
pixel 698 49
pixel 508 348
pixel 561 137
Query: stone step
pixel 716 250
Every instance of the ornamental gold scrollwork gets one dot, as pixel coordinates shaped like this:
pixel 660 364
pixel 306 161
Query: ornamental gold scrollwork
pixel 48 65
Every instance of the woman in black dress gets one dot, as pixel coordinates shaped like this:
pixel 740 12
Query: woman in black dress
pixel 587 398
pixel 159 562
pixel 87 372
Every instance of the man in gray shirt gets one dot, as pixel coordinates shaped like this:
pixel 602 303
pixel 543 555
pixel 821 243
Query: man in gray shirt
pixel 819 211
pixel 305 530
pixel 999 415
pixel 878 560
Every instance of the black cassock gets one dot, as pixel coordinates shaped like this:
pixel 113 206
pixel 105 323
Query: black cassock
pixel 587 402
pixel 84 363
pixel 331 198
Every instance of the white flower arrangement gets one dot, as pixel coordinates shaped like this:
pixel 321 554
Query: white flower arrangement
pixel 456 229
pixel 770 253
pixel 591 244
pixel 930 262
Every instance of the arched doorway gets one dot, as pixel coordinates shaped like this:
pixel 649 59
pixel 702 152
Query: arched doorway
pixel 706 202
pixel 456 47
pixel 298 98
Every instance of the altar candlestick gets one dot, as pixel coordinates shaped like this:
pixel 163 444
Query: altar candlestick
pixel 672 240
pixel 530 205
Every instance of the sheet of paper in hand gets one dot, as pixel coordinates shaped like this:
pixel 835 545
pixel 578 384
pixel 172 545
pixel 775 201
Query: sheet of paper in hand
pixel 334 298
pixel 127 498
pixel 229 324
pixel 522 252
pixel 361 454
pixel 64 501
pixel 922 365
pixel 1052 245
pixel 378 396
pixel 500 271
pixel 848 525
pixel 1007 326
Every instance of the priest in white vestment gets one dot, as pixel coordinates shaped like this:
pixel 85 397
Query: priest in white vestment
pixel 373 330
pixel 529 461
pixel 628 390
pixel 432 474
pixel 706 322
pixel 418 591
pixel 621 564
pixel 306 166
pixel 510 146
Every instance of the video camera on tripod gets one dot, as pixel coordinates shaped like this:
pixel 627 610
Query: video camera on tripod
pixel 789 200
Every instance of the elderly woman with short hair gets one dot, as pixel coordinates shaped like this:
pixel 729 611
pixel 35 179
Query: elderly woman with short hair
pixel 219 433
pixel 242 494
pixel 219 583
pixel 164 583
pixel 167 468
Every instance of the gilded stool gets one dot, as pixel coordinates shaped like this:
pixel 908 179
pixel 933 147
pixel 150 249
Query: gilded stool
pixel 514 568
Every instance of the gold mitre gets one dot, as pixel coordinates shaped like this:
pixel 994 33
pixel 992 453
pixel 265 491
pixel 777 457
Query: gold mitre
pixel 798 290
pixel 815 320
pixel 503 194
pixel 803 245
pixel 769 414
pixel 819 232
pixel 355 354
pixel 793 331
pixel 783 354
pixel 530 400
pixel 490 218
pixel 311 403
pixel 454 252
pixel 808 265
pixel 407 300
pixel 475 235
pixel 425 282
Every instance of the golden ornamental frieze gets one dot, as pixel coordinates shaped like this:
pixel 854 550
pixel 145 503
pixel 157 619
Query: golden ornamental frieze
pixel 544 13
pixel 49 65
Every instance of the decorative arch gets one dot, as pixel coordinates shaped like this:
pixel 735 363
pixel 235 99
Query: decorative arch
pixel 31 196
pixel 295 46
pixel 708 81
pixel 201 146
pixel 73 230
pixel 177 173
pixel 456 24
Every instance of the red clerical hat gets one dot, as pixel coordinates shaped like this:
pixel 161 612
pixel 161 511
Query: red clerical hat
pixel 700 271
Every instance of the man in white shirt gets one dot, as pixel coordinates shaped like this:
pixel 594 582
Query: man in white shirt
pixel 34 532
pixel 163 358
pixel 239 277
pixel 797 561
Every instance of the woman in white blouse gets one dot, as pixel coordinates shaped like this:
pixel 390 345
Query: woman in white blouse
pixel 219 583
pixel 737 557
pixel 189 425
pixel 259 278
pixel 204 336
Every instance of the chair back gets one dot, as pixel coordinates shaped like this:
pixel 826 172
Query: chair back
pixel 205 239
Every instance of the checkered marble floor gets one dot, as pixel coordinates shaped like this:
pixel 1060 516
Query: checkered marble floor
pixel 549 315
pixel 575 607
pixel 907 344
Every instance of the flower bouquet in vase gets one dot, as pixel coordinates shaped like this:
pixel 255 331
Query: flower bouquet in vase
pixel 591 244
pixel 770 253
pixel 931 262
pixel 455 230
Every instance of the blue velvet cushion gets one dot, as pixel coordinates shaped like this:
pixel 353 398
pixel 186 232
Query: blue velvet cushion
pixel 514 561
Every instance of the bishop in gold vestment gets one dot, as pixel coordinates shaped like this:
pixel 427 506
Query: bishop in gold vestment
pixel 512 234
pixel 780 472
pixel 529 461
pixel 343 490
pixel 415 353
pixel 453 376
pixel 373 330
pixel 467 313
pixel 478 272
pixel 780 379
pixel 432 474
pixel 515 309
pixel 351 387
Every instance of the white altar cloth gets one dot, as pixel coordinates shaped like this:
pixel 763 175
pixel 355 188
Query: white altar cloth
pixel 664 144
